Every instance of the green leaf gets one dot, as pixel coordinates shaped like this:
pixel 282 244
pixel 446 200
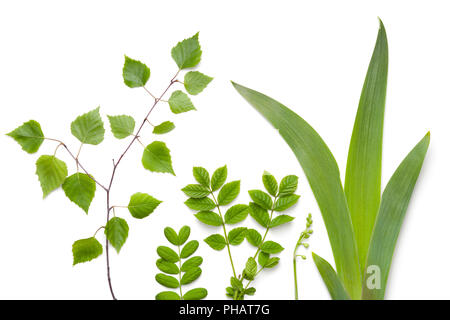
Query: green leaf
pixel 167 254
pixel 272 262
pixel 142 204
pixel 80 189
pixel 281 219
pixel 202 176
pixel 88 128
pixel 163 127
pixel 216 241
pixel 363 173
pixel 195 82
pixel 167 281
pixel 183 234
pixel 171 236
pixel 179 102
pixel 210 218
pixel 250 291
pixel 29 135
pixel 167 295
pixel 236 214
pixel 271 247
pixel 121 126
pixel 237 235
pixel 116 232
pixel 191 275
pixel 195 191
pixel 394 203
pixel 135 73
pixel 189 249
pixel 85 250
pixel 323 176
pixel 332 281
pixel 250 269
pixel 218 178
pixel 285 202
pixel 187 53
pixel 203 204
pixel 51 173
pixel 253 237
pixel 195 294
pixel 261 198
pixel 191 263
pixel 228 193
pixel 156 158
pixel 259 214
pixel 236 283
pixel 288 185
pixel 167 267
pixel 263 258
pixel 270 183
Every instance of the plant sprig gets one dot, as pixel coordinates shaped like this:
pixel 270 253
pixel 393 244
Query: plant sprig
pixel 88 128
pixel 187 272
pixel 304 235
pixel 279 198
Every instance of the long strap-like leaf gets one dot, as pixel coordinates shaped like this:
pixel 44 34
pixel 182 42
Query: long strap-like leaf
pixel 323 176
pixel 363 174
pixel 394 203
pixel 329 276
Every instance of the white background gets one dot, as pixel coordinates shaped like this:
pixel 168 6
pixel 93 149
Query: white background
pixel 61 59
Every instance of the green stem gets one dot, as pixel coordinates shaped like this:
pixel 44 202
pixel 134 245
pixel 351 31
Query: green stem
pixel 179 273
pixel 225 234
pixel 295 274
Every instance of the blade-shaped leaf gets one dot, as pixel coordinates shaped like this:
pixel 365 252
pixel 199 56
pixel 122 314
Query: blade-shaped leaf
pixel 88 128
pixel 332 281
pixel 394 204
pixel 80 189
pixel 29 135
pixel 51 172
pixel 363 174
pixel 323 176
